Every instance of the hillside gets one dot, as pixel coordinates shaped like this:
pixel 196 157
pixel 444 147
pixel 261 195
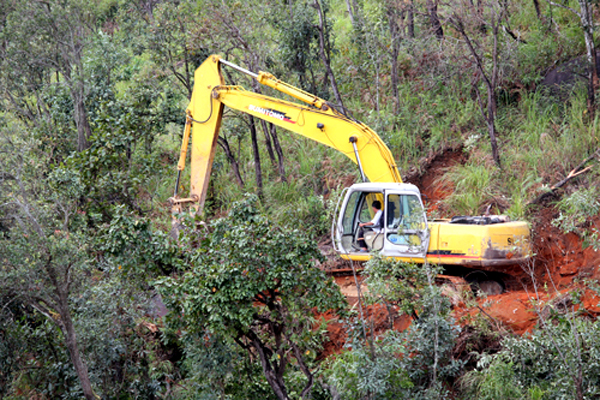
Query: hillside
pixel 487 107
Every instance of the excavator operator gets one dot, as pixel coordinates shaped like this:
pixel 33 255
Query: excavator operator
pixel 375 223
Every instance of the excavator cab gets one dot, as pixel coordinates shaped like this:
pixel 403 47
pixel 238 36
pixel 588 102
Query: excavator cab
pixel 404 234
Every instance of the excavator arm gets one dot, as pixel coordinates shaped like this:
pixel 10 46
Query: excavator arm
pixel 317 120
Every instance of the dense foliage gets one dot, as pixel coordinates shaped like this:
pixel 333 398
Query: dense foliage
pixel 92 100
pixel 257 287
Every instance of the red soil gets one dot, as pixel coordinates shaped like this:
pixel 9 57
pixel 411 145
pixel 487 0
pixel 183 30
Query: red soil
pixel 431 169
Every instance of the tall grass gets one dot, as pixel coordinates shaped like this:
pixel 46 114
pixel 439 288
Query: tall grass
pixel 541 141
pixel 472 187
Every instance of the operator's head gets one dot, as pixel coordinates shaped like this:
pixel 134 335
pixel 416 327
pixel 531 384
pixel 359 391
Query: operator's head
pixel 376 204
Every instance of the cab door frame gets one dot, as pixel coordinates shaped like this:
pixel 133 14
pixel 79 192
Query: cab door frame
pixel 407 232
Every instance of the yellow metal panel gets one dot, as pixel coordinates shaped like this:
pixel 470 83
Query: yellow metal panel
pixel 478 245
pixel 206 113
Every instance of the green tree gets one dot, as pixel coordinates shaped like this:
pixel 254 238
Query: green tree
pixel 43 259
pixel 44 44
pixel 33 362
pixel 558 360
pixel 255 285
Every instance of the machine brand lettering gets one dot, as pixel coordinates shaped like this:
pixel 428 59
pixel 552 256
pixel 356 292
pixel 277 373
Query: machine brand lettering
pixel 269 112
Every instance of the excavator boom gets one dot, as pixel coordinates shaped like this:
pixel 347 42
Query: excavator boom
pixel 317 120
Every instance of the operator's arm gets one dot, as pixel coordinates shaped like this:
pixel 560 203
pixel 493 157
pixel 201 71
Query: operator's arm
pixel 373 221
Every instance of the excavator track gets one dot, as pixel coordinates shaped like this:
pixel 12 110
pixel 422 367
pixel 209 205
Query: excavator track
pixel 455 279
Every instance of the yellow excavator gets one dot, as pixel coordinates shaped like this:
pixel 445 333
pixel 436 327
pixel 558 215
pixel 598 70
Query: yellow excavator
pixel 402 231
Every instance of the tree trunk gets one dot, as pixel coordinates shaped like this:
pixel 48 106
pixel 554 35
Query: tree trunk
pixel 61 286
pixel 72 346
pixel 411 19
pixel 188 67
pixel 231 157
pixel 395 37
pixel 324 53
pixel 434 19
pixel 271 142
pixel 273 378
pixel 356 8
pixel 488 111
pixel 588 34
pixel 255 151
pixel 304 368
pixel 64 322
pixel 350 12
pixel 74 76
pixel 538 12
pixel 493 141
pixel 84 130
pixel 281 166
pixel 268 144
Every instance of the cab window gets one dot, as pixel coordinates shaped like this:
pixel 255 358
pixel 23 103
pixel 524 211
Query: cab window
pixel 404 212
pixel 366 210
pixel 358 209
pixel 350 211
pixel 405 220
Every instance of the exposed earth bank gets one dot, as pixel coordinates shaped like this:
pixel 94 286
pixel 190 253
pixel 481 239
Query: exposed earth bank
pixel 556 277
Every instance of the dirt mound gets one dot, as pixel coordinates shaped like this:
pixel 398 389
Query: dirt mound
pixel 560 258
pixel 379 319
pixel 431 168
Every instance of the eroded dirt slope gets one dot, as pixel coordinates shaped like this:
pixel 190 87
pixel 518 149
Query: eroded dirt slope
pixel 560 266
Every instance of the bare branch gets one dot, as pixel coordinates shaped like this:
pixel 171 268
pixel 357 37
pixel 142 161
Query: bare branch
pixel 575 172
pixel 563 6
